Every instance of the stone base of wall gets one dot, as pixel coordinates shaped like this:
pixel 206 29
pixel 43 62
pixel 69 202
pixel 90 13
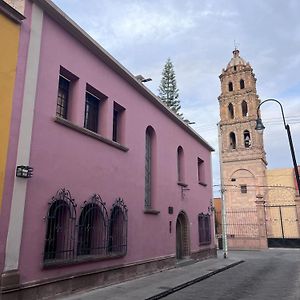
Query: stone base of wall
pixel 204 254
pixel 86 281
pixel 247 243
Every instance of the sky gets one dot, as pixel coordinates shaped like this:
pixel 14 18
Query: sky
pixel 199 37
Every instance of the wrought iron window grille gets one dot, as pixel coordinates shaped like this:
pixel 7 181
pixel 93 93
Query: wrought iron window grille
pixel 96 235
pixel 204 228
pixel 60 233
pixel 92 228
pixel 117 243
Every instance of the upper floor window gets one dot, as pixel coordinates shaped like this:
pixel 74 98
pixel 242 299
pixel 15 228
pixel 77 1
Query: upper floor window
pixel 149 166
pixel 60 232
pixel 244 109
pixel 180 165
pixel 230 111
pixel 62 97
pixel 230 86
pixel 204 229
pixel 66 83
pixel 118 112
pixel 247 139
pixel 201 171
pixel 91 116
pixel 232 140
pixel 242 84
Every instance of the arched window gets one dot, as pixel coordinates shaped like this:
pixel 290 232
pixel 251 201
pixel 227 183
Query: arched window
pixel 230 86
pixel 230 111
pixel 61 218
pixel 242 84
pixel 180 164
pixel 244 109
pixel 247 139
pixel 149 164
pixel 117 243
pixel 92 228
pixel 232 140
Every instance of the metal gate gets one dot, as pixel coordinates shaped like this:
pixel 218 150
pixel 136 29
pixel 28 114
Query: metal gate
pixel 242 229
pixel 282 226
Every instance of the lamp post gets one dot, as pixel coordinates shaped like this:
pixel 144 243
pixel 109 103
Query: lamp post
pixel 260 128
pixel 224 217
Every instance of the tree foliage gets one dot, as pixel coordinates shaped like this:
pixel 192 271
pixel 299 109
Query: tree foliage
pixel 168 91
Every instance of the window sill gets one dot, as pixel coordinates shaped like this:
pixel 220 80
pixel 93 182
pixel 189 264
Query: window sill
pixel 90 133
pixel 202 183
pixel 79 260
pixel 151 211
pixel 182 184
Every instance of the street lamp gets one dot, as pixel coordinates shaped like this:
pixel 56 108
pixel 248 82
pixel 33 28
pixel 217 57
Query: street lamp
pixel 260 128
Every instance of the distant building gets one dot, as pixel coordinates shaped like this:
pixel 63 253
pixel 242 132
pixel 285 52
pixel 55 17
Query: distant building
pixel 282 220
pixel 120 186
pixel 249 187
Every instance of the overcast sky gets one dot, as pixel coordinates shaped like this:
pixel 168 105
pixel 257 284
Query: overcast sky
pixel 198 36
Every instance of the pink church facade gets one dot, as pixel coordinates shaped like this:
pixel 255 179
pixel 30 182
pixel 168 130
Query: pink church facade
pixel 121 186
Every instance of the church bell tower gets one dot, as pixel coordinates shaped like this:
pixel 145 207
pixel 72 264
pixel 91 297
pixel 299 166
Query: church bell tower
pixel 242 155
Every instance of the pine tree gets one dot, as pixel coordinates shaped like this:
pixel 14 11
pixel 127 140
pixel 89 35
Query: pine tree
pixel 168 91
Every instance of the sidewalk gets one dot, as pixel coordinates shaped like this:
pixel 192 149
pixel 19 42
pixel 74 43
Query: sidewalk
pixel 160 284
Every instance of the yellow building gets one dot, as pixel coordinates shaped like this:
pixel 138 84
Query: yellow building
pixel 281 210
pixel 10 20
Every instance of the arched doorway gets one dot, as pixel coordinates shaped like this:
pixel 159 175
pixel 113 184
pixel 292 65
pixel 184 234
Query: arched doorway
pixel 182 236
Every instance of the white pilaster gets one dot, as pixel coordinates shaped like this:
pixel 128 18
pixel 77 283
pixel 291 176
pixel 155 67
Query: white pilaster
pixel 23 154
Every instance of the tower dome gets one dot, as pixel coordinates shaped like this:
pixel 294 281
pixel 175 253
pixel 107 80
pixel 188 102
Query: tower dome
pixel 236 60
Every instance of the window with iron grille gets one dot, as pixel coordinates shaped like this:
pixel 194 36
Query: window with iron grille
pixel 117 244
pixel 91 116
pixel 63 97
pixel 60 232
pixel 92 228
pixel 204 228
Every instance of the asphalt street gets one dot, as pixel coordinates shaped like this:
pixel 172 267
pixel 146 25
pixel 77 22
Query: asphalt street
pixel 271 274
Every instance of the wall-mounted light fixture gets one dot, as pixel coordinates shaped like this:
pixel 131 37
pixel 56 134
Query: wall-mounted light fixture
pixel 24 171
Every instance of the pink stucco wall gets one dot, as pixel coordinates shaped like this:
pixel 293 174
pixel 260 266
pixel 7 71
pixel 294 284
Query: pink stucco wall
pixel 62 157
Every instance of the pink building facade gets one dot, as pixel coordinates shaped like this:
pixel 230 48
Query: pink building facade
pixel 121 186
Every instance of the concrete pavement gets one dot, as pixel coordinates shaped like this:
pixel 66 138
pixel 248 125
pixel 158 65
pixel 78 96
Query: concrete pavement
pixel 160 284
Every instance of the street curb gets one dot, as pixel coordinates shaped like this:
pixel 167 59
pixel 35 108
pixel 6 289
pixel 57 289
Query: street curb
pixel 188 283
